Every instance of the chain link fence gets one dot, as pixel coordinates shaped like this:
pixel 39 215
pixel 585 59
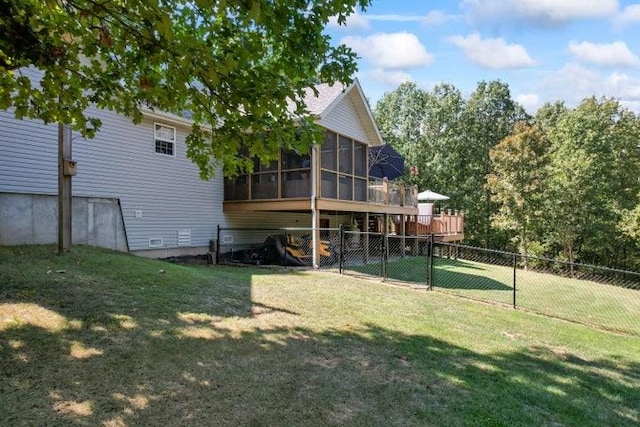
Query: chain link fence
pixel 598 296
pixel 603 297
pixel 288 247
pixel 399 258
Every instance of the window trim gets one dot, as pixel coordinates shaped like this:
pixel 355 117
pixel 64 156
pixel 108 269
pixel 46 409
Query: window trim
pixel 157 138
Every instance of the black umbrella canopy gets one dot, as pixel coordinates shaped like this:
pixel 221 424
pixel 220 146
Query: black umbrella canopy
pixel 385 161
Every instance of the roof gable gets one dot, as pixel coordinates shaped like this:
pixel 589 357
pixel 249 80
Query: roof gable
pixel 344 110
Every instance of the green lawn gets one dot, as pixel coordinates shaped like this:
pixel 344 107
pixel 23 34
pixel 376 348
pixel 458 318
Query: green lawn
pixel 101 338
pixel 603 305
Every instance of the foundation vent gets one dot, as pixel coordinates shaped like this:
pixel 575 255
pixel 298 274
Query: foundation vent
pixel 184 237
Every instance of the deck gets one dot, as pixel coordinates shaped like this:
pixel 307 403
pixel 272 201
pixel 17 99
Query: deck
pixel 446 226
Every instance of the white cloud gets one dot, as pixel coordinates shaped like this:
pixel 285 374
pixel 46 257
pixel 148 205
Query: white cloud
pixel 629 15
pixel 623 87
pixel 355 21
pixel 547 12
pixel 390 78
pixel 390 50
pixel 611 54
pixel 530 102
pixel 574 82
pixel 433 18
pixel 493 53
pixel 396 18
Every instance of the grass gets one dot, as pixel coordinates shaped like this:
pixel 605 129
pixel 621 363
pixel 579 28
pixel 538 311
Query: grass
pixel 606 306
pixel 102 338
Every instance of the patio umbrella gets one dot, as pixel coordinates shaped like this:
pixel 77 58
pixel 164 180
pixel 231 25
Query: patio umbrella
pixel 432 196
pixel 385 161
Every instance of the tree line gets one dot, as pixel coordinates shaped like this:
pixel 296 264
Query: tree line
pixel 562 184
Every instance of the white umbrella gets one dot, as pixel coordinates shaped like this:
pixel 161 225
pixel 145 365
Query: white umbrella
pixel 430 195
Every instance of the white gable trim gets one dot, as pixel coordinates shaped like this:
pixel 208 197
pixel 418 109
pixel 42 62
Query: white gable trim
pixel 359 98
pixel 368 111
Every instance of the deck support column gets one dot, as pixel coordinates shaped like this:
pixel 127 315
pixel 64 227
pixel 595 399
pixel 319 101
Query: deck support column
pixel 365 229
pixel 416 233
pixel 402 232
pixel 315 214
pixel 315 237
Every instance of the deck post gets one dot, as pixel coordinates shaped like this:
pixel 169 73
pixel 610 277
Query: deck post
pixel 416 234
pixel 402 232
pixel 365 228
pixel 315 214
pixel 385 189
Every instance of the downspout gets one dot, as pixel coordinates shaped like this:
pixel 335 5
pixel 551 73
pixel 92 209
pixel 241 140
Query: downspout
pixel 315 221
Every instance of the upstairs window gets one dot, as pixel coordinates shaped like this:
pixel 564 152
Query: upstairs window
pixel 165 138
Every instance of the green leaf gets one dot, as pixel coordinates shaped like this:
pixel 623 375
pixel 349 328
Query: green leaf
pixel 218 59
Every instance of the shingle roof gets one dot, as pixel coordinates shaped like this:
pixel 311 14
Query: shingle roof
pixel 321 104
pixel 317 104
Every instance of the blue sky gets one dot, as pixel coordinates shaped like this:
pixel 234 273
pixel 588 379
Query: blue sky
pixel 545 50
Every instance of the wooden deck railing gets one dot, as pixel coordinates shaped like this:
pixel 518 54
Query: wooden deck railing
pixel 383 192
pixel 443 224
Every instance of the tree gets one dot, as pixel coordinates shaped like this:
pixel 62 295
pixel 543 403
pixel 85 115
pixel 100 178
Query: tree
pixel 442 134
pixel 548 115
pixel 399 115
pixel 449 139
pixel 423 125
pixel 630 224
pixel 517 181
pixel 593 179
pixel 237 67
pixel 489 116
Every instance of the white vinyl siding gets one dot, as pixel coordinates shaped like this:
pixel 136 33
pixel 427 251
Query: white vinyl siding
pixel 118 163
pixel 345 120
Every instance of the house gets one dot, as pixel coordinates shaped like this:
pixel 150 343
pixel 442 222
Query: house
pixel 327 186
pixel 135 189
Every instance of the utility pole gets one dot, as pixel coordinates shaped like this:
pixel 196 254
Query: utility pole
pixel 66 170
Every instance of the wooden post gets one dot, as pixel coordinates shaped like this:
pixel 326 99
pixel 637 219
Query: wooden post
pixel 416 233
pixel 402 232
pixel 385 189
pixel 66 169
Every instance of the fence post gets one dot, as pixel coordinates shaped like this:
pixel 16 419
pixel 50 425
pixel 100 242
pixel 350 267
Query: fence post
pixel 382 263
pixel 430 252
pixel 428 268
pixel 515 266
pixel 341 262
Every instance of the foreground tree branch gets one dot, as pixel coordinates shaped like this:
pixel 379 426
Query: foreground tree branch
pixel 236 66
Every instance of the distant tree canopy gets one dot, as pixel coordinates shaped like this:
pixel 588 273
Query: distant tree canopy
pixel 236 66
pixel 565 183
pixel 449 138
